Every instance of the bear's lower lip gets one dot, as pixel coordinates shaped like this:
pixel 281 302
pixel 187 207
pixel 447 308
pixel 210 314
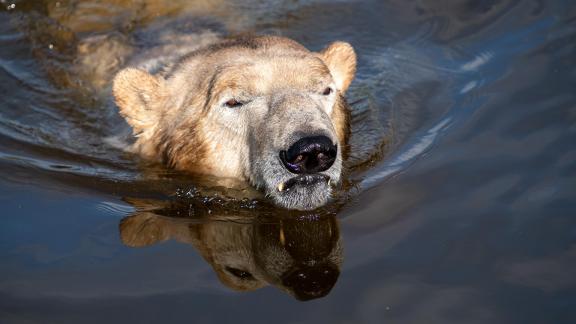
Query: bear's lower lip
pixel 304 180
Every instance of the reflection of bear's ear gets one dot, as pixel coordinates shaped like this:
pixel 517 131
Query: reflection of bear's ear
pixel 139 95
pixel 143 229
pixel 341 60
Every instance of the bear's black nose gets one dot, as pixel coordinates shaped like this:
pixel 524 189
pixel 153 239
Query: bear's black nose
pixel 309 155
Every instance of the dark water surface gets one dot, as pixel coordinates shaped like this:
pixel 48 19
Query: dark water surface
pixel 466 215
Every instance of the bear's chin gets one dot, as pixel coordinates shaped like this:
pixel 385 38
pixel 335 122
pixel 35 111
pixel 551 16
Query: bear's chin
pixel 305 192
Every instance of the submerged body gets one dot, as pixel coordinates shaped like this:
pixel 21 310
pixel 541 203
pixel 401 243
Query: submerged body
pixel 259 109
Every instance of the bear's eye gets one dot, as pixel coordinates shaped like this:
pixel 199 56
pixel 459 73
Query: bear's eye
pixel 233 103
pixel 327 91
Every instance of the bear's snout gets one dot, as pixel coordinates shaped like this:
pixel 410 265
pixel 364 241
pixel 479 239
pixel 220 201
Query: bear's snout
pixel 309 155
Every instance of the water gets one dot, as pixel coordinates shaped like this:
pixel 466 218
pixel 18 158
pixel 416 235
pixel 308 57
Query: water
pixel 464 213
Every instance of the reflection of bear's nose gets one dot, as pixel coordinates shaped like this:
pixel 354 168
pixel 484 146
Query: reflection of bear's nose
pixel 312 282
pixel 309 155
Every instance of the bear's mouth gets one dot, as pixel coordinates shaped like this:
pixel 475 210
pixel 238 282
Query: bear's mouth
pixel 302 180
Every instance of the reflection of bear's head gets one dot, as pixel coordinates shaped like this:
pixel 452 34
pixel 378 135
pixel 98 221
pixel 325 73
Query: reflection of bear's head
pixel 301 256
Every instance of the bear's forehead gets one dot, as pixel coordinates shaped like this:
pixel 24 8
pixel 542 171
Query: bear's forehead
pixel 263 71
pixel 258 69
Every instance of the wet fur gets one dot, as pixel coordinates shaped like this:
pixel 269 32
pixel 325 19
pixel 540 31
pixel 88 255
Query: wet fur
pixel 177 118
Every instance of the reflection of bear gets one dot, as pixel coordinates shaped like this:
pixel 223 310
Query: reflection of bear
pixel 300 255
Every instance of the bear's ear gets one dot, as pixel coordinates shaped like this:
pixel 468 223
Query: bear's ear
pixel 139 95
pixel 341 60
